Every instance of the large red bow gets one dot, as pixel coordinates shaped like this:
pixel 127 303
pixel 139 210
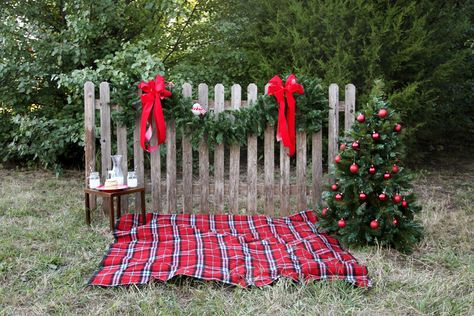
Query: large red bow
pixel 286 123
pixel 153 92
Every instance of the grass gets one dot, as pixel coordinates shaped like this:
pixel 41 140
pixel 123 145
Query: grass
pixel 47 255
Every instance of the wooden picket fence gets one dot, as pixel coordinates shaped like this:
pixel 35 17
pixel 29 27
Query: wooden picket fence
pixel 231 191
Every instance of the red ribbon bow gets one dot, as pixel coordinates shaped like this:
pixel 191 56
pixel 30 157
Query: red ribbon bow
pixel 153 92
pixel 286 123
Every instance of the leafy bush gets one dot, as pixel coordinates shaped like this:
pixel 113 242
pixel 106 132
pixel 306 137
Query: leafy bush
pixel 45 141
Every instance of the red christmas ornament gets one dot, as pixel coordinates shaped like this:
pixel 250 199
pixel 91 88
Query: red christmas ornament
pixel 338 197
pixel 398 128
pixel 375 136
pixel 342 147
pixel 395 169
pixel 374 224
pixel 382 197
pixel 387 175
pixel 361 118
pixel 337 159
pixel 383 113
pixel 324 212
pixel 362 196
pixel 395 222
pixel 334 187
pixel 355 145
pixel 404 203
pixel 341 223
pixel 397 198
pixel 354 168
pixel 372 169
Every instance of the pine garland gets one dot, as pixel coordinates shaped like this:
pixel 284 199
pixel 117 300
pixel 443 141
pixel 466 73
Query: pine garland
pixel 234 126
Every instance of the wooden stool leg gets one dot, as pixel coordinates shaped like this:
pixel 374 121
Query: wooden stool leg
pixel 88 210
pixel 143 207
pixel 119 206
pixel 111 217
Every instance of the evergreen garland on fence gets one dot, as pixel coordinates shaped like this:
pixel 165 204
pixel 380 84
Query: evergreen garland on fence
pixel 234 126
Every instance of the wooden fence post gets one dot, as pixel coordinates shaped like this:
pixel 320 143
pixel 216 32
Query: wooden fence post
pixel 333 129
pixel 252 153
pixel 204 155
pixel 234 162
pixel 187 163
pixel 219 154
pixel 349 106
pixel 89 137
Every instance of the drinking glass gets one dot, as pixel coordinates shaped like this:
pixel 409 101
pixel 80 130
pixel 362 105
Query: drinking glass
pixel 94 180
pixel 132 180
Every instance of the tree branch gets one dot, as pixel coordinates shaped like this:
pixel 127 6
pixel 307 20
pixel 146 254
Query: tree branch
pixel 178 40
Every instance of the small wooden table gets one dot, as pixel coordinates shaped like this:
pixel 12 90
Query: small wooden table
pixel 109 198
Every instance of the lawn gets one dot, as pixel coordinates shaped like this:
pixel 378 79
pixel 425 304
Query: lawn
pixel 47 255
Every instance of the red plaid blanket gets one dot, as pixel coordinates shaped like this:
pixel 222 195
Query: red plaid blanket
pixel 234 249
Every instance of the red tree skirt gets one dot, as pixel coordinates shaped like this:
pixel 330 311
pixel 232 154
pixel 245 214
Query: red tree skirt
pixel 234 249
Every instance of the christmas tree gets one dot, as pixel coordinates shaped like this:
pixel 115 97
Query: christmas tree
pixel 371 201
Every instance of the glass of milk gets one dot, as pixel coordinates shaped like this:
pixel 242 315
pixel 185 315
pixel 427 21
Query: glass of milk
pixel 132 180
pixel 94 180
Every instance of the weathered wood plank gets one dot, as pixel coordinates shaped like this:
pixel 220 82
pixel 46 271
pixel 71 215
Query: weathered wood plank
pixel 234 162
pixel 269 167
pixel 333 124
pixel 301 170
pixel 155 175
pixel 187 163
pixel 89 137
pixel 284 180
pixel 204 156
pixel 219 154
pixel 105 135
pixel 252 155
pixel 349 111
pixel 122 150
pixel 171 167
pixel 317 168
pixel 138 160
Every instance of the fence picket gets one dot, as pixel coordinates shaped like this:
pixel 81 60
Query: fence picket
pixel 138 161
pixel 155 175
pixel 122 150
pixel 105 137
pixel 349 109
pixel 333 129
pixel 301 170
pixel 316 168
pixel 269 167
pixel 219 155
pixel 187 163
pixel 204 155
pixel 234 162
pixel 171 167
pixel 89 137
pixel 252 171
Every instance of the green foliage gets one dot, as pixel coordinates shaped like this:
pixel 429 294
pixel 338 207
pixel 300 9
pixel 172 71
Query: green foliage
pixel 358 214
pixel 419 48
pixel 37 139
pixel 233 127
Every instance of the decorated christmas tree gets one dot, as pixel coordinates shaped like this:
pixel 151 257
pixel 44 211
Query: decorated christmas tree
pixel 371 200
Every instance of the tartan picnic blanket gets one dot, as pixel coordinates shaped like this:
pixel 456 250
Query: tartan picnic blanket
pixel 234 249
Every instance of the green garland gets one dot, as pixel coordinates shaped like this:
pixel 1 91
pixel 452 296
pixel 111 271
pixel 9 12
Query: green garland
pixel 234 126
